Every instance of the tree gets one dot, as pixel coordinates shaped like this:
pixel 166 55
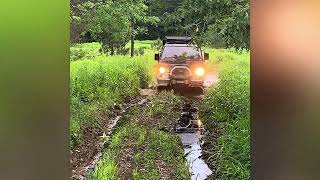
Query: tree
pixel 114 23
pixel 218 23
pixel 136 10
pixel 229 24
pixel 76 22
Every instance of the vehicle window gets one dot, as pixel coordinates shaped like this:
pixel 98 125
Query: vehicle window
pixel 180 52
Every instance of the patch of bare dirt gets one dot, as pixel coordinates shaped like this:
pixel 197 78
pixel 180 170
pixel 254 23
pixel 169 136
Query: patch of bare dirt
pixel 147 92
pixel 125 162
pixel 165 171
pixel 164 119
pixel 84 153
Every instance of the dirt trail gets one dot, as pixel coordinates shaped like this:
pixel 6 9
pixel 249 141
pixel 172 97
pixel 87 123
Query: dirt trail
pixel 87 154
pixel 158 153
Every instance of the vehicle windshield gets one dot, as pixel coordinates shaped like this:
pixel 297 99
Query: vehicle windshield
pixel 189 52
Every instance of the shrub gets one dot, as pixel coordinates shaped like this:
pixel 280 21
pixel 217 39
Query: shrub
pixel 85 51
pixel 141 51
pixel 157 44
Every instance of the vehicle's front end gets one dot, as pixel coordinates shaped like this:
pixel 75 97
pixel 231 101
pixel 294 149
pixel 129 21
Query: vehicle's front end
pixel 180 63
pixel 191 75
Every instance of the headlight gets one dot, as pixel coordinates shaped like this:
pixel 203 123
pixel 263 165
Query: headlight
pixel 162 70
pixel 199 71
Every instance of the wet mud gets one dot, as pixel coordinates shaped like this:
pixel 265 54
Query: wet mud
pixel 190 130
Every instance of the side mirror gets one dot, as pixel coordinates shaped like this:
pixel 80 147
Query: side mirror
pixel 206 56
pixel 157 57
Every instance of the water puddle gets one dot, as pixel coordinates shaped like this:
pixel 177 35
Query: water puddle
pixel 190 131
pixel 193 152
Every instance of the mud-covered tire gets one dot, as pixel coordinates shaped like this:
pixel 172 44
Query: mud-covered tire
pixel 162 88
pixel 196 90
pixel 200 90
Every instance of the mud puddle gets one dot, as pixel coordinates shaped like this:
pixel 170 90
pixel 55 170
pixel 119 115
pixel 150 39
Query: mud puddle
pixel 190 131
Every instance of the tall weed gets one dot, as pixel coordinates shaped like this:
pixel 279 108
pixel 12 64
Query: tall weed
pixel 98 83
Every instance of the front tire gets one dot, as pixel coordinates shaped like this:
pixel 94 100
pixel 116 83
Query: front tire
pixel 162 88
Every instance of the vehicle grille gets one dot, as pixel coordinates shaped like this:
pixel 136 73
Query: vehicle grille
pixel 180 73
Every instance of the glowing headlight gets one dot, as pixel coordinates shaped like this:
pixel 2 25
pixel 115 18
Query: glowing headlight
pixel 162 70
pixel 199 71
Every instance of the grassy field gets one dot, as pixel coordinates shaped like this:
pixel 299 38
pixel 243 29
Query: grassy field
pixel 92 50
pixel 99 82
pixel 227 106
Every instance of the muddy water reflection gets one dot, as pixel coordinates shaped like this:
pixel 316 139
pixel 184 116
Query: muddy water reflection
pixel 192 148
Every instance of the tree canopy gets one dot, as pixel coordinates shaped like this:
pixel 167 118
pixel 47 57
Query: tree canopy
pixel 215 23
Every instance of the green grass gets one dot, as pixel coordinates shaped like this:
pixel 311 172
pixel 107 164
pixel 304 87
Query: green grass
pixel 149 144
pixel 85 51
pixel 228 104
pixel 155 144
pixel 147 44
pixel 97 83
pixel 224 55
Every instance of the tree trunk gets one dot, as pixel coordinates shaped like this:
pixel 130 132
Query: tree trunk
pixel 132 37
pixel 112 50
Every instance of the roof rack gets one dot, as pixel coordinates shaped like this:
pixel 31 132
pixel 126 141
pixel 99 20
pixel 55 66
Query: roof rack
pixel 177 40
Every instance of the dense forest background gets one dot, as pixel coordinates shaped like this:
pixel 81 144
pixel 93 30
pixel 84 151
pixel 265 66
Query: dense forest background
pixel 113 23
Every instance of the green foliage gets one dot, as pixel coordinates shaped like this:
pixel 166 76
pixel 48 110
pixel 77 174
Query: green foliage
pixel 106 169
pixel 157 44
pixel 230 25
pixel 218 23
pixel 109 26
pixel 85 51
pixel 228 103
pixel 98 83
pixel 139 51
pixel 146 44
pixel 113 22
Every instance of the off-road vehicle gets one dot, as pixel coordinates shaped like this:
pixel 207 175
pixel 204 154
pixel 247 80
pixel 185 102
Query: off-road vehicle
pixel 181 62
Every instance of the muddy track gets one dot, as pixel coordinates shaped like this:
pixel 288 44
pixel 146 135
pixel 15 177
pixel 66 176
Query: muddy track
pixel 194 137
pixel 188 127
pixel 191 131
pixel 85 157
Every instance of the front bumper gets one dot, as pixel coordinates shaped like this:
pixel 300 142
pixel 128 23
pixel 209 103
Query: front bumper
pixel 188 82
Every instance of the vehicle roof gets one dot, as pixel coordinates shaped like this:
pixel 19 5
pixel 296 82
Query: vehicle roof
pixel 179 45
pixel 178 38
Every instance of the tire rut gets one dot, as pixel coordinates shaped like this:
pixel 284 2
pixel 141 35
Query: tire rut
pixel 85 168
pixel 191 132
